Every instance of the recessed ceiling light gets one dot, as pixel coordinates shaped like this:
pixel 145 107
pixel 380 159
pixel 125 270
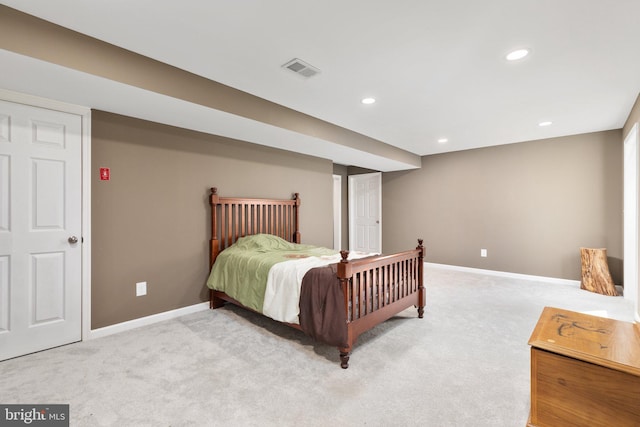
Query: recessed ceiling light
pixel 368 100
pixel 543 124
pixel 517 54
pixel 443 140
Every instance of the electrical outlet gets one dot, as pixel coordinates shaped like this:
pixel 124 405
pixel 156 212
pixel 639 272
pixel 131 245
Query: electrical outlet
pixel 141 289
pixel 483 253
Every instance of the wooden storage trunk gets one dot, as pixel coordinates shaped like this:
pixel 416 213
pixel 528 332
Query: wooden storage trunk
pixel 585 371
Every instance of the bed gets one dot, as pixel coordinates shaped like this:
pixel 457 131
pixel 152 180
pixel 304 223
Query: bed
pixel 338 300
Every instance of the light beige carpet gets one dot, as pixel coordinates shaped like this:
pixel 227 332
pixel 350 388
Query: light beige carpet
pixel 465 364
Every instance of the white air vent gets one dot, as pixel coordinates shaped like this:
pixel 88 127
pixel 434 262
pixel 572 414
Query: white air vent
pixel 302 68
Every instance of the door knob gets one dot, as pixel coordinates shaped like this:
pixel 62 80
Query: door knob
pixel 73 239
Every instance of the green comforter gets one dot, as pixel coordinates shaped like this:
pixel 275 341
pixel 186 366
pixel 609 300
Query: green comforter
pixel 241 270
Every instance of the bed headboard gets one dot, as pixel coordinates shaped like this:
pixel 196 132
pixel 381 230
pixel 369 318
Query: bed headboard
pixel 234 217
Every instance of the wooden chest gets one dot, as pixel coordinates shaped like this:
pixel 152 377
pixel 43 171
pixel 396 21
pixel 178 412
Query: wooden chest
pixel 585 371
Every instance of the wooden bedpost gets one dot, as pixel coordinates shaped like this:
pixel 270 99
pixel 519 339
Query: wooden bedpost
pixel 422 295
pixel 296 234
pixel 344 274
pixel 214 243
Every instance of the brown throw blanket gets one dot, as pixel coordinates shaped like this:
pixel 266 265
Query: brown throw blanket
pixel 322 314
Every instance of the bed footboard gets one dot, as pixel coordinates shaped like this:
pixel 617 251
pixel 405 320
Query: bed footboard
pixel 377 288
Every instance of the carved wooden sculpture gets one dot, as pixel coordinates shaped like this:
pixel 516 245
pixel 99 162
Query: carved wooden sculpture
pixel 595 272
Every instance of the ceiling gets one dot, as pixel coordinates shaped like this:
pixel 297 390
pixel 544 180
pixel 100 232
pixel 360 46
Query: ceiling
pixel 437 69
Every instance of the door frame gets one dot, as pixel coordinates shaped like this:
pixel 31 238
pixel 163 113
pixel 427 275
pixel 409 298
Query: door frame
pixel 630 235
pixel 85 114
pixel 352 201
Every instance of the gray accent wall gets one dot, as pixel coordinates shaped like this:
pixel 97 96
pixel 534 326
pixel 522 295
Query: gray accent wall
pixel 151 221
pixel 532 205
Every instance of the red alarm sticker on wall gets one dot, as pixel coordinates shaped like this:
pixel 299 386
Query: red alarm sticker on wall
pixel 105 174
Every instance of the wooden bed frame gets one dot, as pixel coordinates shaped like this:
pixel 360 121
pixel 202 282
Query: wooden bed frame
pixel 375 288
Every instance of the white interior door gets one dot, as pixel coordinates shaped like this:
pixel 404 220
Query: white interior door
pixel 337 212
pixel 631 217
pixel 40 215
pixel 365 212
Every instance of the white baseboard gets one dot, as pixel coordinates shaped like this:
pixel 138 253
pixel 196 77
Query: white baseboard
pixel 148 320
pixel 505 274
